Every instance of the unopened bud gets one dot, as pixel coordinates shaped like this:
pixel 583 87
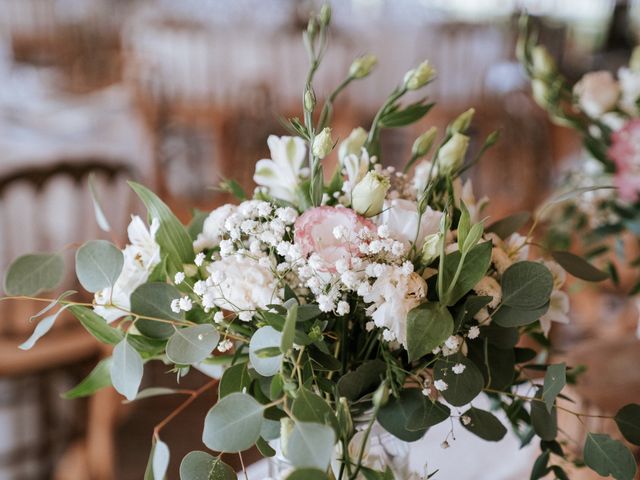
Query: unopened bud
pixel 451 155
pixel 419 76
pixel 325 14
pixel 343 414
pixel 461 124
pixel 424 142
pixel 323 144
pixel 540 92
pixel 381 395
pixel 362 66
pixel 309 100
pixel 543 63
pixel 367 197
pixel 430 248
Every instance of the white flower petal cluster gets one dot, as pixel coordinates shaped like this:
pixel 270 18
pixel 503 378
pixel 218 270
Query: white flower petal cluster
pixel 140 258
pixel 559 302
pixel 281 173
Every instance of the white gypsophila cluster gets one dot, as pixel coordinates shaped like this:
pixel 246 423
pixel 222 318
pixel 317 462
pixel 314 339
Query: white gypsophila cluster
pixel 140 258
pixel 244 273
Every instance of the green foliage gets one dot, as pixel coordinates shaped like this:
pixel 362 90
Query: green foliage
pixel 427 415
pixel 154 300
pixel 101 218
pixel 192 344
pixel 307 474
pixel 99 377
pixel 484 424
pixel 310 445
pixel 289 329
pixel 98 265
pixel 126 370
pixel 172 236
pixel 153 392
pixel 607 456
pixel 428 326
pixel 540 468
pixel 309 407
pixel 364 379
pixel 579 267
pixel 463 387
pixel 526 286
pixel 234 379
pixel 159 460
pixel 203 466
pixel 233 424
pixel 545 422
pixel 509 225
pixel 96 325
pixel 263 338
pixel 31 274
pixel 397 415
pixel 397 117
pixel 507 316
pixel 628 421
pixel 41 329
pixel 476 264
pixel 555 378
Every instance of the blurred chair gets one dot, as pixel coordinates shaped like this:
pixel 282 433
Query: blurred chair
pixel 45 208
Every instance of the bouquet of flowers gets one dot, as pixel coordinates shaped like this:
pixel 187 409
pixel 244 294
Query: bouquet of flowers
pixel 605 111
pixel 376 302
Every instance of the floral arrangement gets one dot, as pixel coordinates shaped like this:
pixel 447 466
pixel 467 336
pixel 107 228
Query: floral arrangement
pixel 605 111
pixel 377 303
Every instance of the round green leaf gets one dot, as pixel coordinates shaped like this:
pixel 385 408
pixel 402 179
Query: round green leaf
pixel 496 364
pixel 234 379
pixel 192 344
pixel 233 424
pixel 396 416
pixel 154 300
pixel 310 445
pixel 98 265
pixel 628 421
pixel 309 407
pixel 475 267
pixel 159 460
pixel 126 369
pixel 607 456
pixel 202 466
pixel 463 387
pixel 34 273
pixel 526 285
pixel 544 422
pixel 307 474
pixel 265 337
pixel 508 317
pixel 430 414
pixel 484 424
pixel 428 326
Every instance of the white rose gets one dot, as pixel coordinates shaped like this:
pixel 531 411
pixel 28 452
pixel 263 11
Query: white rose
pixel 281 174
pixel 367 197
pixel 597 92
pixel 401 217
pixel 213 226
pixel 630 86
pixel 245 284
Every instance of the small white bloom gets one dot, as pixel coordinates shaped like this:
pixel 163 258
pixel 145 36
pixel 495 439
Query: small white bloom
pixel 179 278
pixel 245 316
pixel 440 385
pixel 466 420
pixel 175 305
pixel 426 391
pixel 199 288
pixel 185 304
pixel 218 317
pixel 343 308
pixel 388 335
pixel 369 326
pixel 199 260
pixel 474 332
pixel 452 342
pixel 225 345
pixel 444 445
pixel 458 368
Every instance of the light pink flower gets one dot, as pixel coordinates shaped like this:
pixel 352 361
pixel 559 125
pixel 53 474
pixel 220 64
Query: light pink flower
pixel 316 229
pixel 625 152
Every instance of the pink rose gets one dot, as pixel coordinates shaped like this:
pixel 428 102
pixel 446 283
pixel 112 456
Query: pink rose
pixel 331 233
pixel 625 152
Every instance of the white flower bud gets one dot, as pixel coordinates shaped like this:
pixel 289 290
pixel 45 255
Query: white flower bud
pixel 309 100
pixel 362 66
pixel 323 144
pixel 430 248
pixel 325 14
pixel 352 145
pixel 367 197
pixel 540 92
pixel 423 143
pixel 419 76
pixel 597 92
pixel 542 62
pixel 461 124
pixel 451 155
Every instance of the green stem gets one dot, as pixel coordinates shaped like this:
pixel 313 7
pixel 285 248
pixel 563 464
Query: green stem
pixel 325 114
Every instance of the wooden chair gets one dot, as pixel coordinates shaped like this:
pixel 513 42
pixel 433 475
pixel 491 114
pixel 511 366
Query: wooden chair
pixel 45 208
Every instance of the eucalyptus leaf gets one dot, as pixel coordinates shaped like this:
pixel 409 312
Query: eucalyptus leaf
pixel 265 337
pixel 540 468
pixel 579 267
pixel 307 474
pixel 172 235
pixel 309 407
pixel 101 218
pixel 508 317
pixel 154 392
pixel 52 304
pixel 555 378
pixel 484 424
pixel 397 415
pixel 96 325
pixel 431 413
pixel 607 456
pixel 42 329
pixel 544 423
pixel 234 379
pixel 428 326
pixel 509 225
pixel 126 370
pixel 159 459
pixel 192 344
pixel 628 421
pixel 526 286
pixel 475 267
pixel 233 424
pixel 31 274
pixel 98 265
pixel 203 466
pixel 310 445
pixel 289 329
pixel 308 312
pixel 99 377
pixel 154 300
pixel 364 379
pixel 463 387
